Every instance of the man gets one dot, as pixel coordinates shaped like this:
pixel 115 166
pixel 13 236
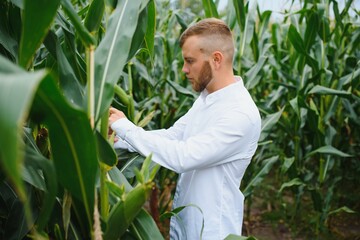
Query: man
pixel 211 145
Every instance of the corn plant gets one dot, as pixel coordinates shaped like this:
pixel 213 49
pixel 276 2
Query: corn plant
pixel 58 69
pixel 304 74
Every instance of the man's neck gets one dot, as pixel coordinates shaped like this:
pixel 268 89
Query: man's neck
pixel 220 81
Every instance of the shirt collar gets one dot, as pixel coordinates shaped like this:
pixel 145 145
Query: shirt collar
pixel 221 93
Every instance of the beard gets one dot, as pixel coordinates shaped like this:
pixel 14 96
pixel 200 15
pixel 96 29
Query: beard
pixel 205 76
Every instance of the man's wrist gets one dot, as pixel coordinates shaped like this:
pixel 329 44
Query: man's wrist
pixel 122 126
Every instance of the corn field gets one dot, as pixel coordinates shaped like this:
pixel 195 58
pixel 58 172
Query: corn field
pixel 63 63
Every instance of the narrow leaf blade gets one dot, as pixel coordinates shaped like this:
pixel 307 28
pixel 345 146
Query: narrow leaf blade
pixel 35 27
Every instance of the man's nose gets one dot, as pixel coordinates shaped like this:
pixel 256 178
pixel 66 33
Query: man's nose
pixel 185 69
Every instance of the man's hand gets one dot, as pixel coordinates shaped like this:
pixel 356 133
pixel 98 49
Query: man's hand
pixel 115 115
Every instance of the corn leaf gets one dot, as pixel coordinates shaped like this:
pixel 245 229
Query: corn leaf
pixel 106 153
pixel 296 40
pixel 259 177
pixel 151 28
pixel 72 143
pixel 94 15
pixel 236 237
pixel 328 91
pixel 329 150
pixel 240 13
pixel 18 88
pixel 35 27
pixel 267 124
pixel 144 227
pixel 69 82
pixel 81 30
pixel 210 9
pixel 36 161
pixel 312 28
pixel 112 53
pixel 124 212
pixel 291 183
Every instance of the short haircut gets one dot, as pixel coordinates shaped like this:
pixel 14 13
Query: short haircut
pixel 216 35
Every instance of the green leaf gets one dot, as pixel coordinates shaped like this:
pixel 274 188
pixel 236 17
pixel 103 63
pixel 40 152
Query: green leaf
pixel 324 30
pixel 112 53
pixel 293 182
pixel 106 153
pixel 328 91
pixel 36 161
pixel 115 189
pixel 174 213
pixel 81 30
pixel 296 40
pixel 312 27
pixel 117 177
pixel 139 34
pixel 6 39
pixel 350 77
pixel 247 31
pixel 177 87
pixel 312 63
pixel 210 9
pixel 14 225
pixel 144 227
pixel 342 209
pixel 69 83
pixel 268 123
pixel 252 76
pixel 240 13
pixel 268 163
pixel 94 15
pixel 151 28
pixel 329 150
pixel 72 142
pixel 35 27
pixel 17 88
pixel 288 162
pixel 124 212
pixel 18 3
pixel 236 237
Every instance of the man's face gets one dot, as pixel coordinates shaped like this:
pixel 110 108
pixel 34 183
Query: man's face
pixel 196 67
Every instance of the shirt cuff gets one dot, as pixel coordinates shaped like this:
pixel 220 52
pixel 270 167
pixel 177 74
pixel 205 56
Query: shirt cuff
pixel 122 126
pixel 121 144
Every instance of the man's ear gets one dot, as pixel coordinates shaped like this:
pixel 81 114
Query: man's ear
pixel 217 58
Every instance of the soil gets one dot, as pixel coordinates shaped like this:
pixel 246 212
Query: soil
pixel 342 226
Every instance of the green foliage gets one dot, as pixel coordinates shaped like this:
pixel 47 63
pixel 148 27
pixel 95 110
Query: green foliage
pixel 53 155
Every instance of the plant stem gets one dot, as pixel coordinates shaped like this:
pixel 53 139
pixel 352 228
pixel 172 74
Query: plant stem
pixel 131 107
pixel 91 84
pixel 104 193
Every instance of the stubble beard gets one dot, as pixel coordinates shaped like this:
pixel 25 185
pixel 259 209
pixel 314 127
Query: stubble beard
pixel 205 76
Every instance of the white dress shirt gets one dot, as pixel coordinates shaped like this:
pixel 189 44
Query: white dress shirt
pixel 210 147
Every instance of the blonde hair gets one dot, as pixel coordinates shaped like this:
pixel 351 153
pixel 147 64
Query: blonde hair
pixel 215 36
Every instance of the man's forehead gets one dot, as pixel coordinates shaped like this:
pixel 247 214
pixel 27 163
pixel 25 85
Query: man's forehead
pixel 191 47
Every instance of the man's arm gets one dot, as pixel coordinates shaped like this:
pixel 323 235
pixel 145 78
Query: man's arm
pixel 225 141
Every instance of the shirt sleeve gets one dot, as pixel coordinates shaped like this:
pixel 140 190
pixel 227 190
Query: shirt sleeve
pixel 174 132
pixel 215 145
pixel 121 144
